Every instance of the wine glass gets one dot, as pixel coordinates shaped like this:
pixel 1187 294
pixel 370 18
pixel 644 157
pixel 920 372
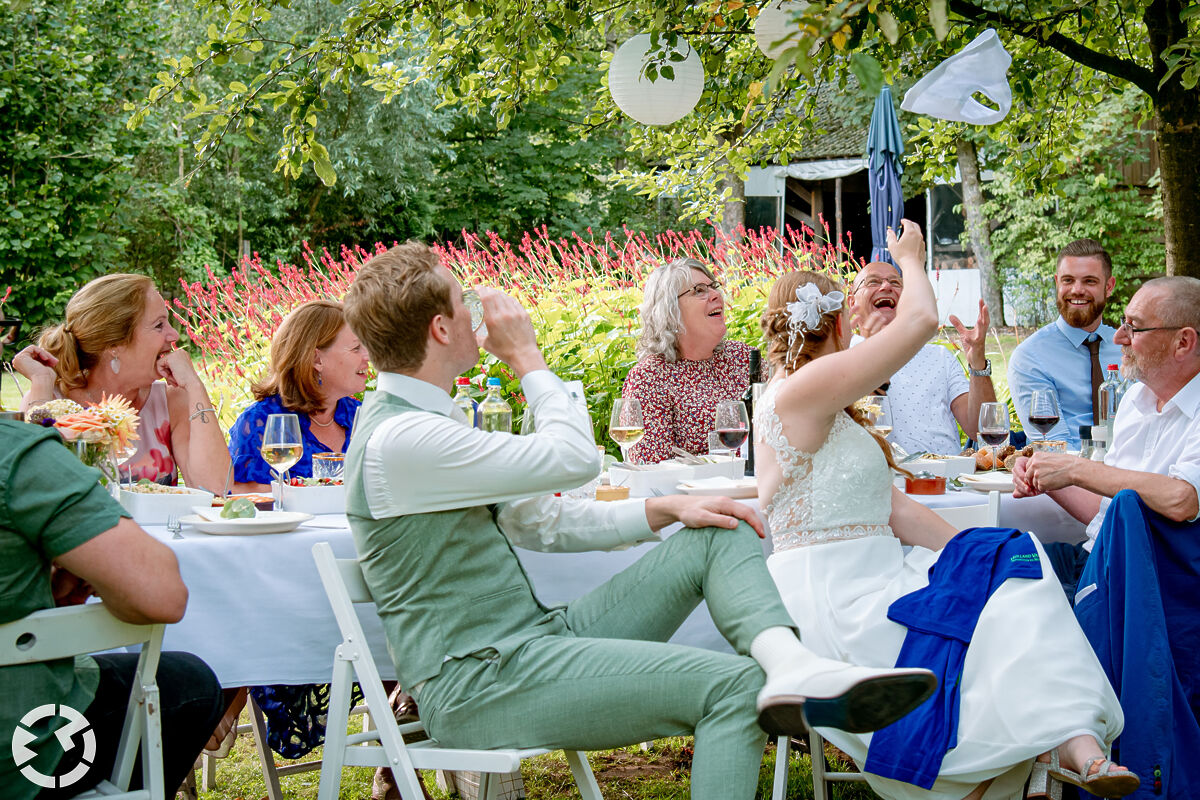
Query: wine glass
pixel 993 426
pixel 626 425
pixel 282 446
pixel 878 408
pixel 732 425
pixel 1043 411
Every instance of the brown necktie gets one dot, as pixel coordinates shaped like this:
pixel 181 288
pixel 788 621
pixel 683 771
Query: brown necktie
pixel 1093 346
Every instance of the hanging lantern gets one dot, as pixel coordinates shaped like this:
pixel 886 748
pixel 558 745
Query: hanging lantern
pixel 658 102
pixel 773 24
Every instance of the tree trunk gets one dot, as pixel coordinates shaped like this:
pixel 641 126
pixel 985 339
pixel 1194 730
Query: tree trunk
pixel 1177 124
pixel 1177 118
pixel 978 230
pixel 734 215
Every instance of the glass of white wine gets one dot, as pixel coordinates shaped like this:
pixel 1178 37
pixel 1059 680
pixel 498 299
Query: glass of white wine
pixel 282 446
pixel 626 425
pixel 879 413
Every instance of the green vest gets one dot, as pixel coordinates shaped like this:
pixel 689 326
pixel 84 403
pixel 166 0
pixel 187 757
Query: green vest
pixel 447 584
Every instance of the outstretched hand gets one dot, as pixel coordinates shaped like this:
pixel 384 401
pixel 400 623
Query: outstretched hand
pixel 974 339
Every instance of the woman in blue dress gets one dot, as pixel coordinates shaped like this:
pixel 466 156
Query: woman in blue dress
pixel 317 366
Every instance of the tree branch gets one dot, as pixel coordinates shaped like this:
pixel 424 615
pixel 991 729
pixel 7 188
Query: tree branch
pixel 1139 76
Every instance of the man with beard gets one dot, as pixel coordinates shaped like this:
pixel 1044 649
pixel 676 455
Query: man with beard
pixel 1156 435
pixel 930 393
pixel 1070 354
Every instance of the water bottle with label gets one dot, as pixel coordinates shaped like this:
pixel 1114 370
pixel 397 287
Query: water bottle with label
pixel 463 399
pixel 495 414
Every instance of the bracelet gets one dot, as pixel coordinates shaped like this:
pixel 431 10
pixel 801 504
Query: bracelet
pixel 201 412
pixel 986 372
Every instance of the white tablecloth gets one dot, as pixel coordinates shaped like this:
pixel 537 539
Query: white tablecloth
pixel 258 615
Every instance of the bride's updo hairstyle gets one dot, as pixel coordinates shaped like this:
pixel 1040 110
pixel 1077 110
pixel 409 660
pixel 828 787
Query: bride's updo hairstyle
pixel 101 315
pixel 791 346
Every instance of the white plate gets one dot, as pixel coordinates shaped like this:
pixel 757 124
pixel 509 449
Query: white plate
pixel 741 488
pixel 264 522
pixel 988 482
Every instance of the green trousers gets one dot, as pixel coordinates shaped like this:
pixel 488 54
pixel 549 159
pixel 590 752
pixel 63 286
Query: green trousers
pixel 614 681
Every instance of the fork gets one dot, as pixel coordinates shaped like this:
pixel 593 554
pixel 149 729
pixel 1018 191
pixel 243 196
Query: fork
pixel 174 526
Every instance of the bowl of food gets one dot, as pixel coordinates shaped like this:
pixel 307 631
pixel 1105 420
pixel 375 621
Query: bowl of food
pixel 314 495
pixel 263 502
pixel 153 503
pixel 925 483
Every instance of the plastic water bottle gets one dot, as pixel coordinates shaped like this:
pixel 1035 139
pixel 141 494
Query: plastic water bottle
pixel 463 399
pixel 495 414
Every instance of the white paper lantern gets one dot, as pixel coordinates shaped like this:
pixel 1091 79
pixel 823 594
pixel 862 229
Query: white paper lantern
pixel 664 100
pixel 773 24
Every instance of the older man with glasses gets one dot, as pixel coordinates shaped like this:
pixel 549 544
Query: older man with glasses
pixel 929 394
pixel 1156 434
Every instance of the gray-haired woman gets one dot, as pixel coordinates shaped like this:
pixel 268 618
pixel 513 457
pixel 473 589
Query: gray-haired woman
pixel 685 366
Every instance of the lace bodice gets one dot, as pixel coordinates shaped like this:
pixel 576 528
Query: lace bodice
pixel 842 491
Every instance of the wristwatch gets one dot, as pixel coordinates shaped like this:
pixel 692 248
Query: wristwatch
pixel 986 372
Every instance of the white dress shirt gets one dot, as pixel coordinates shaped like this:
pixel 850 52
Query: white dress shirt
pixel 432 460
pixel 1148 440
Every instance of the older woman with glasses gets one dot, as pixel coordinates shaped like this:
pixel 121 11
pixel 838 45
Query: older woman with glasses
pixel 685 365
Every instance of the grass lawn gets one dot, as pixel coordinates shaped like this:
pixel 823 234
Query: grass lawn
pixel 661 773
pixel 10 396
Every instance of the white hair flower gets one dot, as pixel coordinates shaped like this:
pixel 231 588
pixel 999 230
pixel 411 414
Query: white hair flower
pixel 805 314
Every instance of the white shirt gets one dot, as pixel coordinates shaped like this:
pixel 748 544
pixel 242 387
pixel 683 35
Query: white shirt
pixel 1148 440
pixel 921 393
pixel 432 460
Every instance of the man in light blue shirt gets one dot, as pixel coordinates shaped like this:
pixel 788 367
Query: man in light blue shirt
pixel 1065 354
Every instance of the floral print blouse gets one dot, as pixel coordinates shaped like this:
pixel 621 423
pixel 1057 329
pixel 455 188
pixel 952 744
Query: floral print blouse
pixel 153 459
pixel 679 398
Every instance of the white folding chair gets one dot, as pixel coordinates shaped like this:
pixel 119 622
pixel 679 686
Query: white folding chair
pixel 385 746
pixel 976 516
pixel 821 776
pixel 78 630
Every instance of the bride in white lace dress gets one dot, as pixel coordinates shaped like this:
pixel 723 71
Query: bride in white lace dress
pixel 1030 683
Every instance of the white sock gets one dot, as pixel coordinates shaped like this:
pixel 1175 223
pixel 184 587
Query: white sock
pixel 778 650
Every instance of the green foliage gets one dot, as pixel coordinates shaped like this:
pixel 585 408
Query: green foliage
pixel 66 163
pixel 1088 200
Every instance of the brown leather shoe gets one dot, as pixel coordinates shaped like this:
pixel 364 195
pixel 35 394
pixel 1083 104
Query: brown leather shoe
pixel 383 786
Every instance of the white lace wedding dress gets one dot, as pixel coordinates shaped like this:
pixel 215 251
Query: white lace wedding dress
pixel 1030 678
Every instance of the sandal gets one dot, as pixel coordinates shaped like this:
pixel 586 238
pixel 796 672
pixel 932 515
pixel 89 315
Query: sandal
pixel 1040 785
pixel 1103 783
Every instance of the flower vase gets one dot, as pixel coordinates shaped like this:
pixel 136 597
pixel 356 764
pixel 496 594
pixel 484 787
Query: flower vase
pixel 98 453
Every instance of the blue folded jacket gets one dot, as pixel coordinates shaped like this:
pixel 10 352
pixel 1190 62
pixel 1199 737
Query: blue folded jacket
pixel 941 619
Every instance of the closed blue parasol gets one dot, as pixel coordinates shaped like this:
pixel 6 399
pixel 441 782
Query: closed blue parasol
pixel 884 148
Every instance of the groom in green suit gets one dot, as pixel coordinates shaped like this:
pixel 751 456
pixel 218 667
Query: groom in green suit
pixel 436 507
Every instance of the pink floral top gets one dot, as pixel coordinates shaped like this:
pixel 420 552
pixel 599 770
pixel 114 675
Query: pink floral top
pixel 153 458
pixel 679 398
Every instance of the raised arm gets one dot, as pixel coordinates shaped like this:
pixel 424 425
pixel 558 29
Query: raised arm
pixel 965 407
pixel 833 382
pixel 197 442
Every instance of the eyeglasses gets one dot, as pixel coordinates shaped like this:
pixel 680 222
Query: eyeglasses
pixel 702 289
pixel 1129 330
pixel 10 329
pixel 874 283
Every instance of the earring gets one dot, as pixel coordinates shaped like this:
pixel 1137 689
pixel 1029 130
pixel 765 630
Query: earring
pixel 319 381
pixel 114 364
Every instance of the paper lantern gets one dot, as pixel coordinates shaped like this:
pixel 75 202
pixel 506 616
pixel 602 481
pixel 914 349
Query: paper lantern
pixel 773 24
pixel 664 100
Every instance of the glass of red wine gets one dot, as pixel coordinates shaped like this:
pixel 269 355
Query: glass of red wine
pixel 732 424
pixel 993 426
pixel 1043 411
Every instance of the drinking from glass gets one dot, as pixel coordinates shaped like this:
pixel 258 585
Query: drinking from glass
pixel 1043 410
pixel 282 446
pixel 626 425
pixel 993 426
pixel 474 306
pixel 878 409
